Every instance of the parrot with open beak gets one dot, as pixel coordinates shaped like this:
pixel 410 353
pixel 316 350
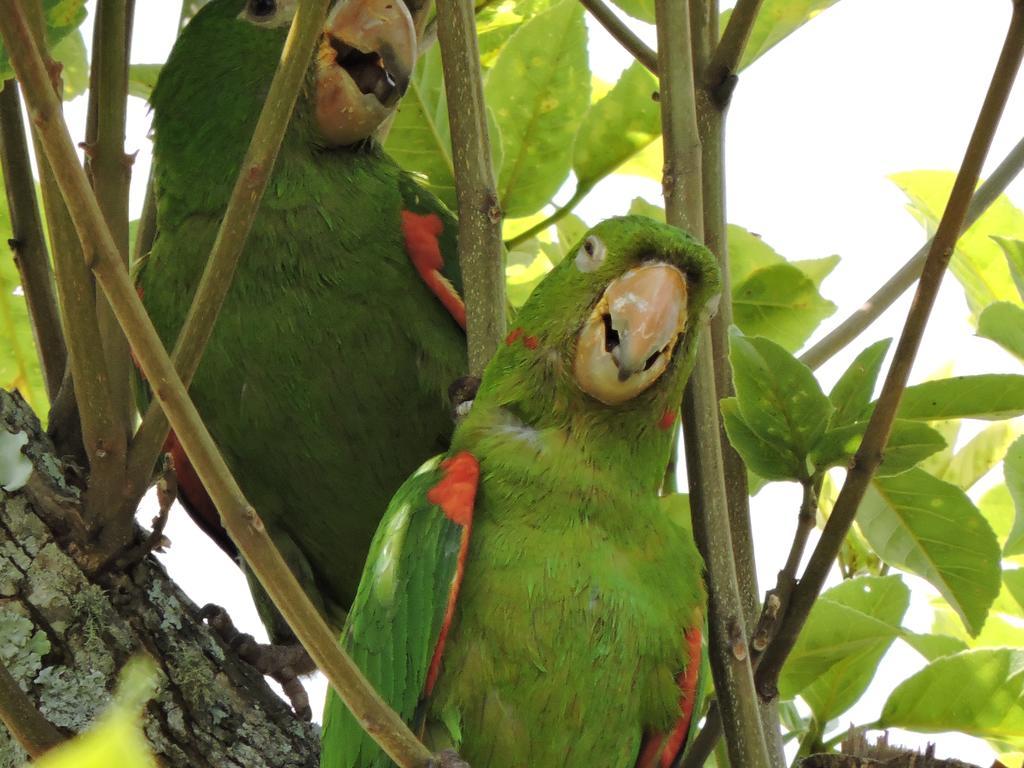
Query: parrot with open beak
pixel 325 380
pixel 529 599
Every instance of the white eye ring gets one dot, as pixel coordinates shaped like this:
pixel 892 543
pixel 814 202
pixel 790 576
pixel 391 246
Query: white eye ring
pixel 590 255
pixel 280 17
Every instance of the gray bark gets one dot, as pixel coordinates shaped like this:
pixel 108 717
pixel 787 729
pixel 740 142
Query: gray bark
pixel 64 636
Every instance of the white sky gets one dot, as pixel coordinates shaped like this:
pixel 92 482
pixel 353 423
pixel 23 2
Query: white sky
pixel 870 88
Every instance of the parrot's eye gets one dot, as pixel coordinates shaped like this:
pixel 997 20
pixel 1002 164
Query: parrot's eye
pixel 590 255
pixel 269 13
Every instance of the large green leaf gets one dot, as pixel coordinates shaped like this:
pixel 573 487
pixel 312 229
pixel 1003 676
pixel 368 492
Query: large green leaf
pixel 910 443
pixel 1013 249
pixel 767 458
pixel 62 17
pixel 19 360
pixel 984 451
pixel 772 297
pixel 617 127
pixel 930 528
pixel 638 9
pixel 852 393
pixel 74 73
pixel 1013 469
pixel 496 23
pixel 848 631
pixel 778 396
pixel 933 646
pixel 776 20
pixel 978 262
pixel 142 79
pixel 1003 323
pixel 977 692
pixel 988 396
pixel 539 89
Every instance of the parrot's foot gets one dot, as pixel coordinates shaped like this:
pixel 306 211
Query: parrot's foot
pixel 462 392
pixel 282 663
pixel 449 758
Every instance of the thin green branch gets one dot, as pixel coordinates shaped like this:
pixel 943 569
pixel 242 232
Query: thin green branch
pixel 870 452
pixel 556 216
pixel 239 518
pixel 618 29
pixel 721 71
pixel 103 442
pixel 895 286
pixel 27 241
pixel 145 233
pixel 234 230
pixel 480 247
pixel 35 733
pixel 108 169
pixel 730 661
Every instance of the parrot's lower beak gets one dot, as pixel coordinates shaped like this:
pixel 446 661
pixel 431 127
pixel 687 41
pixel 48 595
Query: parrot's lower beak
pixel 364 62
pixel 627 342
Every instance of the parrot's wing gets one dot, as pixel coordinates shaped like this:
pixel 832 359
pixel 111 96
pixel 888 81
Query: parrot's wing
pixel 431 240
pixel 399 621
pixel 660 750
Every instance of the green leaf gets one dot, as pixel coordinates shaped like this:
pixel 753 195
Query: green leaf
pixel 933 646
pixel 496 23
pixel 766 458
pixel 988 396
pixel 1014 581
pixel 852 393
pixel 1014 252
pixel 19 360
pixel 980 455
pixel 780 303
pixel 640 207
pixel 617 127
pixel 1003 323
pixel 938 463
pixel 539 89
pixel 977 692
pixel 978 262
pixel 62 17
pixel 748 253
pixel 850 628
pixel 638 9
pixel 117 738
pixel 817 269
pixel 525 266
pixel 910 443
pixel 70 52
pixel 1013 469
pixel 996 505
pixel 776 20
pixel 778 396
pixel 928 527
pixel 142 79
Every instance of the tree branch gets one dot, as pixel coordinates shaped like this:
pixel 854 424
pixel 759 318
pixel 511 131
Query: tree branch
pixel 730 662
pixel 870 452
pixel 34 732
pixel 480 247
pixel 894 287
pixel 618 29
pixel 28 242
pixel 108 169
pixel 238 516
pixel 231 237
pixel 721 71
pixel 557 215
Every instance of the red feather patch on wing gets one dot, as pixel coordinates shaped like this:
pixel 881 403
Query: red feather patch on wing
pixel 421 232
pixel 455 494
pixel 660 750
pixel 193 496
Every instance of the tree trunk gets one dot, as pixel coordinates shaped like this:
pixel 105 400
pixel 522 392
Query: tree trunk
pixel 64 636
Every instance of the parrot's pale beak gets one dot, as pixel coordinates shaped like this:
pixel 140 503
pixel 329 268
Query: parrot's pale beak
pixel 629 338
pixel 364 62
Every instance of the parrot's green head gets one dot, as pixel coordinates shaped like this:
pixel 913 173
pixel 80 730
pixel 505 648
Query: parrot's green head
pixel 210 92
pixel 605 343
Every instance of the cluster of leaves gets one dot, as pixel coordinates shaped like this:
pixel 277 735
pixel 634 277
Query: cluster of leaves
pixel 917 517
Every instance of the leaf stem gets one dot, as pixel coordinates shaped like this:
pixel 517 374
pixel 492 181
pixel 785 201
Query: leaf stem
pixel 618 29
pixel 721 71
pixel 730 661
pixel 870 452
pixel 33 732
pixel 28 243
pixel 243 205
pixel 239 517
pixel 894 287
pixel 480 215
pixel 556 216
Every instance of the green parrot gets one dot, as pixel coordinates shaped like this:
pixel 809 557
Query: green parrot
pixel 529 599
pixel 325 381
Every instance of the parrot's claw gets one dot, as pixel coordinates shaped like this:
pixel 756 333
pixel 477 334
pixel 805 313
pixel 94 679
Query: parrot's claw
pixel 282 663
pixel 449 758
